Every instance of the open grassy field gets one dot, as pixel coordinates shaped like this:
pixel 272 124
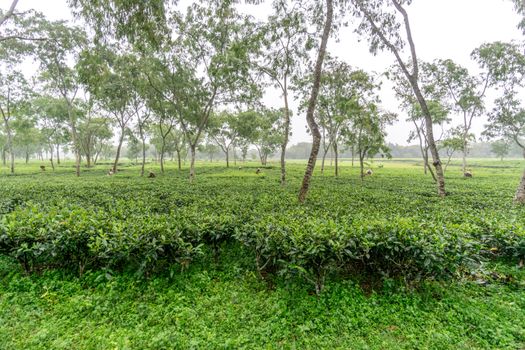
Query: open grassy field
pixel 233 261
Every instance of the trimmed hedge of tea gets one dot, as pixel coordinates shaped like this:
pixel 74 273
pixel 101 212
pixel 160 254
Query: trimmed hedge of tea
pixel 75 238
pixel 391 228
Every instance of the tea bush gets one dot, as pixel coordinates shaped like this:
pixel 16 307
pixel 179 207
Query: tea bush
pixel 390 226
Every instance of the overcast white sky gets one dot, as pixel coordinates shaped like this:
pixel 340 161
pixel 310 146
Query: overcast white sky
pixel 441 28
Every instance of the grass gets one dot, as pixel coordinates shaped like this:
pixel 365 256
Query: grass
pixel 224 305
pixel 215 308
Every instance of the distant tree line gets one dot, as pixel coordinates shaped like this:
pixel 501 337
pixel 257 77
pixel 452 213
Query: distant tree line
pixel 494 149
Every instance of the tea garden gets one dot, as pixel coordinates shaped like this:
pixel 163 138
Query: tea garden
pixel 234 260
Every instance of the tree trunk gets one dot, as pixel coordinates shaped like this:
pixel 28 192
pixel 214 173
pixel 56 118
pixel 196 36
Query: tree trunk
pixel 362 164
pixel 427 165
pixel 424 151
pixel 58 154
pixel 438 167
pixel 143 165
pixel 263 158
pixel 192 162
pixel 27 157
pixel 260 156
pixel 227 153
pixel 520 192
pixel 12 165
pixel 12 156
pixel 77 162
pixel 413 80
pixel 336 159
pixel 162 156
pixel 312 124
pixel 448 162
pixel 97 154
pixel 51 157
pixel 74 135
pixel 464 156
pixel 424 155
pixel 10 149
pixel 323 160
pixel 76 151
pixel 179 160
pixel 286 133
pixel 119 147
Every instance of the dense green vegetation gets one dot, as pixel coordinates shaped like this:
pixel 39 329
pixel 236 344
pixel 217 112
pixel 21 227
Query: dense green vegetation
pixel 231 261
pixel 97 252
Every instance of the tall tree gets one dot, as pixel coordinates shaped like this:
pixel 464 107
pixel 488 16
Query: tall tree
pixel 13 94
pixel 161 132
pixel 52 114
pixel 114 75
pixel 505 64
pixel 133 146
pixel 93 129
pixel 342 88
pixel 366 132
pixel 310 112
pixel 55 55
pixel 211 69
pixel 209 148
pixel 267 132
pixel 143 118
pixel 440 117
pixel 223 131
pixel 437 103
pixel 383 20
pixel 177 144
pixel 454 142
pixel 201 59
pixel 466 92
pixel 14 88
pixel 500 148
pixel 286 45
pixel 28 139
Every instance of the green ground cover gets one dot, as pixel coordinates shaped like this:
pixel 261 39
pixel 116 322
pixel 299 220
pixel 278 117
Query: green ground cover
pixel 234 261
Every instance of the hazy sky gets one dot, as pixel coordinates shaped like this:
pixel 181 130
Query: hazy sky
pixel 441 29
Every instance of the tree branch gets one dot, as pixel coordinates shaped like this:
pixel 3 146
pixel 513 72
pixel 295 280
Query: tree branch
pixel 9 13
pixel 415 68
pixel 21 37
